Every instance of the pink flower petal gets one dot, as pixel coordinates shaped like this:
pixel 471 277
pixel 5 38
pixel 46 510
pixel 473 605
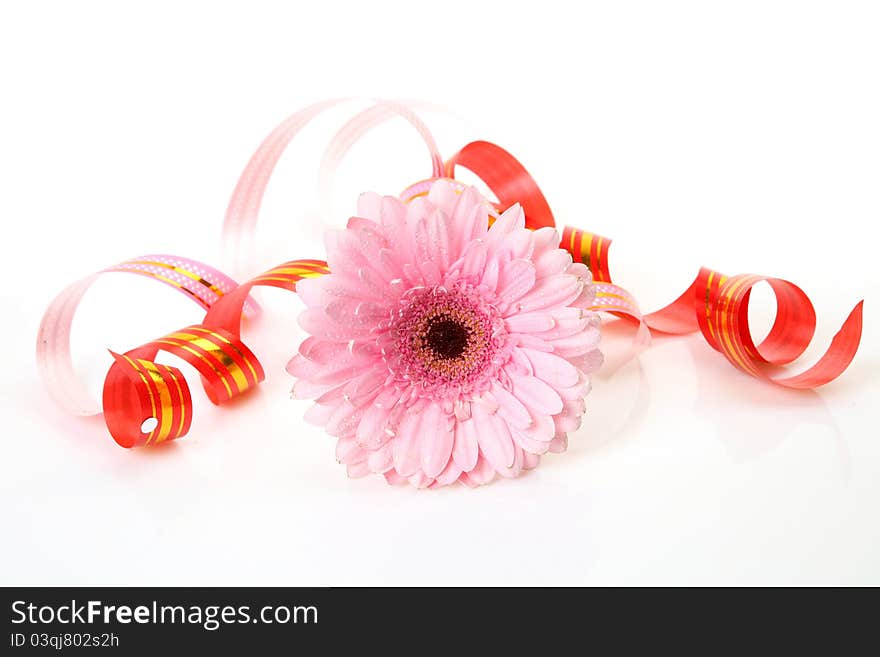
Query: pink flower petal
pixel 431 273
pixel 420 480
pixel 576 392
pixel 518 364
pixel 542 428
pixel 311 291
pixel 552 262
pixel 382 460
pixel 328 352
pixel 432 240
pixel 548 292
pixel 449 475
pixel 393 221
pixel 388 398
pixel 530 445
pixel 546 239
pixel 369 205
pixel 586 298
pixel 577 344
pixel 348 451
pixel 361 225
pixel 406 445
pixel 534 342
pixel 588 362
pixel 482 473
pixel 342 247
pixel 357 311
pixel 437 440
pixel 442 194
pixel 321 351
pixel 559 444
pixel 373 282
pixel 334 396
pixel 412 275
pixel 520 245
pixel 470 219
pixel 366 387
pixel 567 421
pixel 515 279
pixel 536 395
pixel 319 414
pixel 516 466
pixel 462 410
pixel 317 322
pixel 371 433
pixel 567 322
pixel 552 369
pixel 395 479
pixel 510 408
pixel 358 470
pixel 490 275
pixel 346 365
pixel 465 449
pixel 344 420
pixel 529 322
pixel 494 439
pixel 580 270
pixel 474 260
pixel 511 220
pixel 304 389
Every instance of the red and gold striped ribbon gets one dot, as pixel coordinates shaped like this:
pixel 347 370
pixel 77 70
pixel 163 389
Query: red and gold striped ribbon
pixel 137 388
pixel 140 389
pixel 589 248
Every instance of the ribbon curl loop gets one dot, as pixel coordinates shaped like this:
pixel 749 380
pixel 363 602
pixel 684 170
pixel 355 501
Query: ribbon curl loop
pixel 137 388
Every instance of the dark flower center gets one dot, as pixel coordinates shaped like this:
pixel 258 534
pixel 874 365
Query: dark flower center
pixel 447 338
pixel 444 342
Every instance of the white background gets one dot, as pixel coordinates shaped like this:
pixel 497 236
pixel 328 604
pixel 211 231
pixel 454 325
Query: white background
pixel 743 136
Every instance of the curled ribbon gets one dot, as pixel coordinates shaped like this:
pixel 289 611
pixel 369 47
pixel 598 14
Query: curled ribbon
pixel 138 389
pixel 147 403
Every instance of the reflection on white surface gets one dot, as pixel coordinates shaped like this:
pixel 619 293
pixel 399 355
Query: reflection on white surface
pixel 747 416
pixel 685 471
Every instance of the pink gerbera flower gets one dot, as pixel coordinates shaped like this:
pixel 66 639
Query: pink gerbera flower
pixel 442 349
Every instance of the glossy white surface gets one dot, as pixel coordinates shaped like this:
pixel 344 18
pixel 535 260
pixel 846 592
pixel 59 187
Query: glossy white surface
pixel 744 139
